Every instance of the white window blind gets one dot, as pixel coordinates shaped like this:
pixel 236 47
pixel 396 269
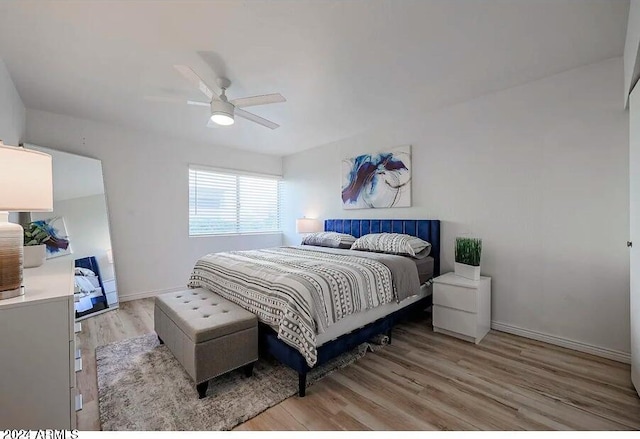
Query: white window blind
pixel 224 202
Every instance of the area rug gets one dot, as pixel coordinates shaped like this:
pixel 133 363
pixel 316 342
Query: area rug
pixel 141 386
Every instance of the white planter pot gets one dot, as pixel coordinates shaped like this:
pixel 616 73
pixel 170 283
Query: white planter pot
pixel 467 271
pixel 34 255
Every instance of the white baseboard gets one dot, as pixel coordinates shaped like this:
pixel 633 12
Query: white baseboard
pixel 623 357
pixel 147 294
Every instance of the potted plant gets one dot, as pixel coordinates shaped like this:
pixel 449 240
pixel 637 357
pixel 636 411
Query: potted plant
pixel 35 247
pixel 468 251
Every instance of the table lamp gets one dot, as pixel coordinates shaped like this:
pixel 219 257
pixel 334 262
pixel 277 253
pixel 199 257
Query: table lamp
pixel 308 225
pixel 26 185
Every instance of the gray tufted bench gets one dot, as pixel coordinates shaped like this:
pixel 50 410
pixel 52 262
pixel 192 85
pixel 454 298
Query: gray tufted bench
pixel 207 334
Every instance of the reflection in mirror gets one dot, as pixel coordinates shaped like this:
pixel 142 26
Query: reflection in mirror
pixel 79 230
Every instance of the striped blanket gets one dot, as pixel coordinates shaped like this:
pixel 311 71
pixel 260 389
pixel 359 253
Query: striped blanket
pixel 298 291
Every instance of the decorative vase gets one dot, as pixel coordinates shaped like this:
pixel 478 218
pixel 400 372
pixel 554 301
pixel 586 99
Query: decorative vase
pixel 34 255
pixel 467 271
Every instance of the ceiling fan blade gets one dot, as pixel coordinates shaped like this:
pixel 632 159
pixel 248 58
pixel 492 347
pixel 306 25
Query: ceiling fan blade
pixel 175 100
pixel 259 100
pixel 257 119
pixel 201 104
pixel 193 78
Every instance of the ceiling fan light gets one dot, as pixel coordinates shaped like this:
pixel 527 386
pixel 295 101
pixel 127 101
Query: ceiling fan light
pixel 222 113
pixel 222 119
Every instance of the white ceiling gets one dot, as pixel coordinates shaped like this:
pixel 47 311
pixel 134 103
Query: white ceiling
pixel 344 66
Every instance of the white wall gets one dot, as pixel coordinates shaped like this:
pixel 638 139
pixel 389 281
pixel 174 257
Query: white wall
pixel 539 171
pixel 12 112
pixel 146 184
pixel 87 226
pixel 631 46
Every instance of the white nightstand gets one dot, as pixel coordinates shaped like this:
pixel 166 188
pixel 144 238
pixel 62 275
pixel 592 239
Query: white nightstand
pixel 110 291
pixel 462 307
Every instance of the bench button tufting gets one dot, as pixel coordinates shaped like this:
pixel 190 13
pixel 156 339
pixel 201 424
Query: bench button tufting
pixel 177 297
pixel 214 304
pixel 224 311
pixel 195 307
pixel 203 298
pixel 186 301
pixel 206 316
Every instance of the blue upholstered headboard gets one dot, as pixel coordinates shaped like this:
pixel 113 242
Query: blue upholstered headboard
pixel 429 230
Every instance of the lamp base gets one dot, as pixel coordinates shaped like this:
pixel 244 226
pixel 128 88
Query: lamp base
pixel 11 293
pixel 11 254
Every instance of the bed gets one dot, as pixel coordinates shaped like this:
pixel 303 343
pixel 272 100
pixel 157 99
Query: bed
pixel 89 286
pixel 252 280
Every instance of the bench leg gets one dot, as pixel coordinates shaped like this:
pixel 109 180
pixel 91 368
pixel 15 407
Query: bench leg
pixel 248 369
pixel 302 384
pixel 389 334
pixel 160 340
pixel 202 389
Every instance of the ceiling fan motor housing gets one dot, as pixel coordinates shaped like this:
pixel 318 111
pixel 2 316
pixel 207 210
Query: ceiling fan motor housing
pixel 223 83
pixel 222 112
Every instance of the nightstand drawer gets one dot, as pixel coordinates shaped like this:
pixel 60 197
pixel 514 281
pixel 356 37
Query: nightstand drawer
pixel 455 297
pixel 462 322
pixel 72 317
pixel 109 286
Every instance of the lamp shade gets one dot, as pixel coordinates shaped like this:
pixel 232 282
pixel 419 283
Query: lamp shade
pixel 308 225
pixel 25 180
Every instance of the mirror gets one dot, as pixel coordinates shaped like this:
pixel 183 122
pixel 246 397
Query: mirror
pixel 80 221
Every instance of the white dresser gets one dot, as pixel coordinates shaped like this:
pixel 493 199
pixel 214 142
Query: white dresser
pixel 462 307
pixel 37 351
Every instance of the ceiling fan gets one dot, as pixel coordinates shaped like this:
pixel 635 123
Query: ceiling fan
pixel 223 110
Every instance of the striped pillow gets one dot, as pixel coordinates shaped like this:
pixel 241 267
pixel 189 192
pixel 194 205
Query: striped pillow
pixel 393 243
pixel 329 239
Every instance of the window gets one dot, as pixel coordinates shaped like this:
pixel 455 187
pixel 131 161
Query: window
pixel 223 202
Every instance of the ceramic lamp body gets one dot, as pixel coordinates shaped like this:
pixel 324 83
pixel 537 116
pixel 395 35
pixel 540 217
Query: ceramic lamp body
pixel 11 255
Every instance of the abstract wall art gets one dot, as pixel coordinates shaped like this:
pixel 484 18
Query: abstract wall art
pixel 377 180
pixel 56 239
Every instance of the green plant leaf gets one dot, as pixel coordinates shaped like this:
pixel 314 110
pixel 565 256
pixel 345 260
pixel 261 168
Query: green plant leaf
pixel 468 251
pixel 35 234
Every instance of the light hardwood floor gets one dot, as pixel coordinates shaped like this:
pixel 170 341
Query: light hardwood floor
pixel 423 381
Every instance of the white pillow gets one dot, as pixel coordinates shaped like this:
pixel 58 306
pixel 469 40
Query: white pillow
pixel 329 239
pixel 393 243
pixel 79 271
pixel 83 284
